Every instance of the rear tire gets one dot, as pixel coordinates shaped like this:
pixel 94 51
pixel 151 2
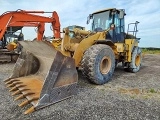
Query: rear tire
pixel 135 64
pixel 98 63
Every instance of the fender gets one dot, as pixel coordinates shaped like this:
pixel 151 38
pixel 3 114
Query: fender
pixel 88 42
pixel 83 46
pixel 107 42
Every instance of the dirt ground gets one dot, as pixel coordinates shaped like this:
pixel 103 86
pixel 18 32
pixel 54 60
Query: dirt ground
pixel 128 96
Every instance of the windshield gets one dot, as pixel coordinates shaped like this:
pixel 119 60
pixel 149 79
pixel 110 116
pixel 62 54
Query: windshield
pixel 101 21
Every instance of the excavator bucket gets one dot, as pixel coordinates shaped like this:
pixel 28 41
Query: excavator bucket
pixel 42 75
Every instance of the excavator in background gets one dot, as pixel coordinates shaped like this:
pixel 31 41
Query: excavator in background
pixel 46 73
pixel 9 49
pixel 12 22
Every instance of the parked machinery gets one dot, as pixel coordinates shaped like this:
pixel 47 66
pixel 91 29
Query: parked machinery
pixel 46 73
pixel 12 21
pixel 99 50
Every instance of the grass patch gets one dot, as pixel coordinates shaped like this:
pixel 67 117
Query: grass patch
pixel 151 50
pixel 152 91
pixel 132 97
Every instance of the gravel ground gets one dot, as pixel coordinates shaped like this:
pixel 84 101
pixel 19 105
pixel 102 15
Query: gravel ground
pixel 127 96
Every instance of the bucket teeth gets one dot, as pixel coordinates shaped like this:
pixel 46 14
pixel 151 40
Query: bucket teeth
pixel 30 110
pixel 13 89
pixel 27 102
pixel 29 93
pixel 22 90
pixel 19 97
pixel 23 103
pixel 6 80
pixel 14 84
pixel 17 83
pixel 18 86
pixel 11 81
pixel 24 95
pixel 16 92
pixel 10 85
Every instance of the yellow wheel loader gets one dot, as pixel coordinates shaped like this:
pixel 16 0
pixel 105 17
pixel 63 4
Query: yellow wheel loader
pixel 98 51
pixel 46 73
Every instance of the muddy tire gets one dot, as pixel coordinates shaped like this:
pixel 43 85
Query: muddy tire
pixel 135 64
pixel 98 63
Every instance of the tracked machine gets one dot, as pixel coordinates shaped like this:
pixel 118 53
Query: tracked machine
pixel 9 39
pixel 13 21
pixel 8 47
pixel 45 73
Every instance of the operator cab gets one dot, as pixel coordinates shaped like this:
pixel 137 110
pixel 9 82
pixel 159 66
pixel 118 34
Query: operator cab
pixel 109 18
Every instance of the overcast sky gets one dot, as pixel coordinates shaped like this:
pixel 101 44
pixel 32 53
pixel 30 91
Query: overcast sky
pixel 75 12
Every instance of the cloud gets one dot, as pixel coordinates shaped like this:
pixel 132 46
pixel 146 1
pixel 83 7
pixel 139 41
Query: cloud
pixel 75 12
pixel 148 14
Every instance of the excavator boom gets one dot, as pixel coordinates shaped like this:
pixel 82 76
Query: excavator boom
pixel 22 16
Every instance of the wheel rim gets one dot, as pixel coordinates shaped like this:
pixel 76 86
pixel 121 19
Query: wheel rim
pixel 137 60
pixel 105 65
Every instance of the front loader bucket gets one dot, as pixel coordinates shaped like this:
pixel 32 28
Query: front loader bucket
pixel 42 75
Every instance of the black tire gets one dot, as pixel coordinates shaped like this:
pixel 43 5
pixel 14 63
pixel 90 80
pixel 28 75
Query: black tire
pixel 135 64
pixel 98 63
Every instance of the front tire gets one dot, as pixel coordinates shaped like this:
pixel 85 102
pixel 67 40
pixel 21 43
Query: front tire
pixel 98 63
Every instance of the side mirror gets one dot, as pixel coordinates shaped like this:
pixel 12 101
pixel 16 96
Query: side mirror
pixel 89 17
pixel 121 14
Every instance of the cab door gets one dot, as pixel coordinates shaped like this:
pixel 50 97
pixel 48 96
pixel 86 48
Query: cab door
pixel 118 34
